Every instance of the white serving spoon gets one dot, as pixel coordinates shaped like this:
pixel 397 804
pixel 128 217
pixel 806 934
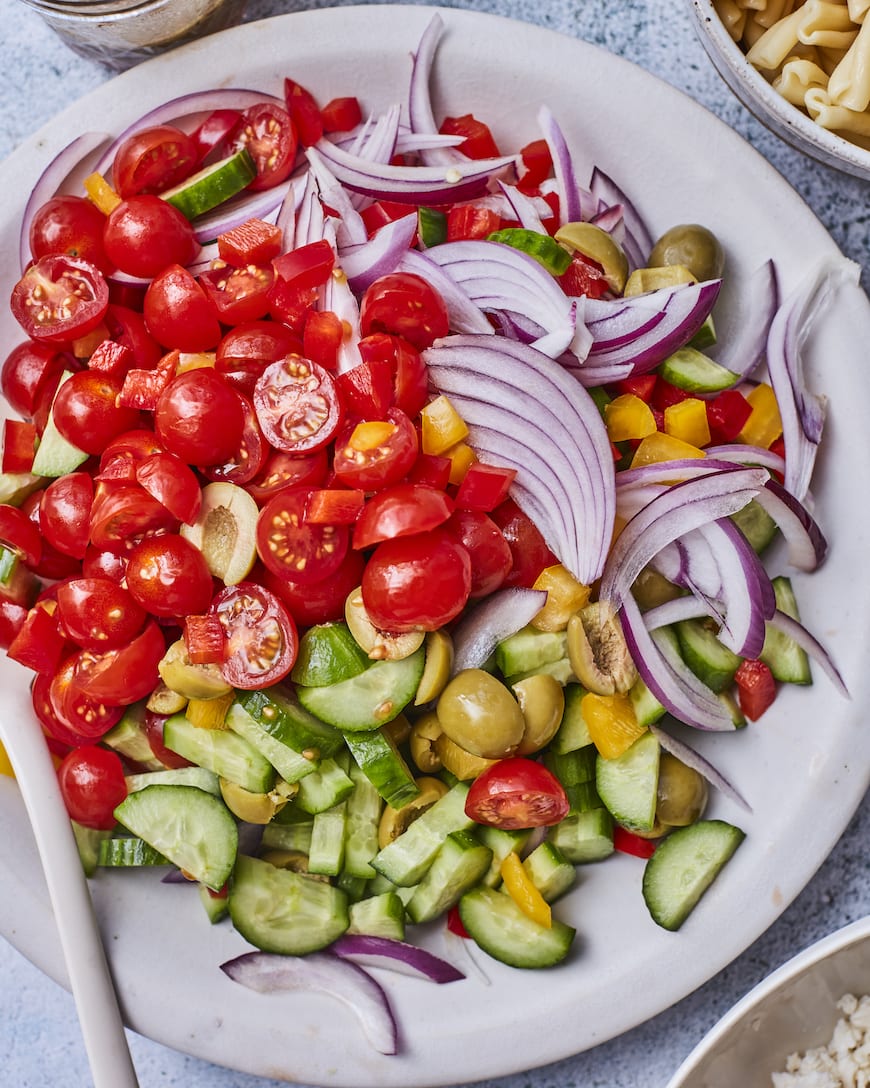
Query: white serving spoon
pixel 90 981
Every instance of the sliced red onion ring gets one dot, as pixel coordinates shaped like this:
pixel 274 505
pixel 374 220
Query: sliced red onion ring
pixel 340 299
pixel 747 455
pixel 496 618
pixel 420 111
pixel 810 645
pixel 657 657
pixel 380 254
pixel 413 184
pixel 465 316
pixel 671 514
pixel 802 412
pixel 523 207
pixel 525 390
pixel 670 612
pixel 637 240
pixel 408 959
pixel 611 219
pixel 575 204
pixel 376 140
pixel 807 546
pixel 232 213
pixel 742 347
pixel 269 973
pixel 306 222
pixel 686 754
pixel 49 182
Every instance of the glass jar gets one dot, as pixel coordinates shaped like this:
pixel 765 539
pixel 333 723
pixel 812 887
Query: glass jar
pixel 121 33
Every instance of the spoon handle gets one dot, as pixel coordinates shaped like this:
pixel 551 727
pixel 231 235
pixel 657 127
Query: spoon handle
pixel 90 981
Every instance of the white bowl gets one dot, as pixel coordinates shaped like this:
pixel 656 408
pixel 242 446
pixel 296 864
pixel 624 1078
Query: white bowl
pixel 793 1010
pixel 759 97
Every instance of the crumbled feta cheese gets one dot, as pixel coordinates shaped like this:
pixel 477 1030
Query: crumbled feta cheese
pixel 844 1062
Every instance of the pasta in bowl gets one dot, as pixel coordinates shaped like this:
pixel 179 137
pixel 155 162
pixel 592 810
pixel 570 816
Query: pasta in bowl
pixel 801 66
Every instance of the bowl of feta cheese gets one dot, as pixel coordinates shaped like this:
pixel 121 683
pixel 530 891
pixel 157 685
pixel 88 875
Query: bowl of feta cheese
pixel 807 1025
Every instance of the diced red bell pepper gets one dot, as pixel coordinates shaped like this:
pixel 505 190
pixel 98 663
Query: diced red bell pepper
pixel 626 842
pixel 110 357
pixel 484 487
pixel 341 114
pixel 756 688
pixel 727 414
pixel 142 388
pixel 19 445
pixel 478 141
pixel 204 639
pixel 304 112
pixel 469 221
pixel 431 469
pixel 12 617
pixel 454 923
pixel 290 304
pixel 40 642
pixel 20 534
pixel 367 391
pixel 252 242
pixel 665 394
pixel 639 385
pixel 334 506
pixel 382 212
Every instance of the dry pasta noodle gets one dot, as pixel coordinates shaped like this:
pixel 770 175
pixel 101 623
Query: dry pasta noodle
pixel 815 53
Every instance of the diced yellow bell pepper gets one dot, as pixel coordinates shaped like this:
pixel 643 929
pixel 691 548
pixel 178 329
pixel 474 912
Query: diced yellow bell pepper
pixel 101 194
pixel 565 595
pixel 370 434
pixel 764 426
pixel 209 713
pixel 687 420
pixel 518 884
pixel 462 457
pixel 659 447
pixel 5 765
pixel 194 360
pixel 442 426
pixel 627 416
pixel 612 722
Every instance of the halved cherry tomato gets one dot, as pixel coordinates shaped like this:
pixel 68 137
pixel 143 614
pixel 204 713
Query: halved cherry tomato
pixel 144 235
pixel 127 327
pixel 122 513
pixel 253 242
pixel 316 602
pixel 30 369
pixel 152 160
pixel 290 304
pixel 104 564
pixel 213 131
pixel 70 226
pixel 239 294
pixel 297 405
pixel 40 642
pixel 200 418
pixel 87 413
pixel 404 304
pixel 178 312
pixel 121 457
pixel 246 350
pixel 20 534
pixel 60 738
pixel 153 727
pixel 65 511
pixel 416 583
pixel 756 688
pixel 491 558
pixel 84 715
pixel 60 298
pixel 52 563
pixel 98 614
pixel 261 636
pixel 291 547
pixel 12 617
pixel 92 784
pixel 304 112
pixel 401 510
pixel 248 461
pixel 478 141
pixel 124 675
pixel 322 337
pixel 169 577
pixel 306 266
pixel 517 793
pixel 267 132
pixel 171 482
pixel 377 453
pixel 283 470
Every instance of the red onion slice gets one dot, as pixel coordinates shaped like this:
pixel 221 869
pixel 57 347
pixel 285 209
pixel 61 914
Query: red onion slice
pixel 351 230
pixel 807 546
pixel 686 754
pixel 575 204
pixel 637 241
pixel 420 112
pixel 269 973
pixel 810 645
pixel 741 348
pixel 496 618
pixel 408 959
pixel 747 455
pixel 523 207
pixel 380 254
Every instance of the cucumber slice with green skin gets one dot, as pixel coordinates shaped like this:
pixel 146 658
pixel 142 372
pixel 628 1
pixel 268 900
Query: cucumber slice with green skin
pixel 573 732
pixel 705 337
pixel 691 370
pixel 327 786
pixel 290 764
pixel 584 837
pixel 550 871
pixel 787 661
pixel 685 864
pixel 529 650
pixel 55 455
pixel 296 836
pixel 128 851
pixel 220 750
pixel 16 486
pixel 128 738
pixel 431 227
pixel 278 711
pixel 713 663
pixel 190 827
pixel 501 843
pixel 364 808
pixel 370 699
pixel 277 910
pixel 407 858
pixel 757 526
pixel 458 866
pixel 647 708
pixel 380 915
pixel 328 654
pixel 88 841
pixel 628 784
pixel 200 777
pixel 379 759
pixel 212 185
pixel 328 837
pixel 547 252
pixel 501 929
pixel 215 906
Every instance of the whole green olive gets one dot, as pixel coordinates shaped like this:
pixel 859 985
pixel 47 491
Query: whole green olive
pixel 691 245
pixel 542 701
pixel 682 792
pixel 481 715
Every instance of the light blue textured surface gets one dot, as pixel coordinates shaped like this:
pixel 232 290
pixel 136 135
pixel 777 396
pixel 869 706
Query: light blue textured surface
pixel 39 1041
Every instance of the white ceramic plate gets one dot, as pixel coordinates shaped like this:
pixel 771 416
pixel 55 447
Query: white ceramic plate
pixel 804 767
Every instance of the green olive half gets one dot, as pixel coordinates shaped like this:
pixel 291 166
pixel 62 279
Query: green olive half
pixel 691 245
pixel 682 792
pixel 542 700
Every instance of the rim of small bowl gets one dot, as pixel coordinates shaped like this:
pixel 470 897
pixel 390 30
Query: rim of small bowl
pixel 759 97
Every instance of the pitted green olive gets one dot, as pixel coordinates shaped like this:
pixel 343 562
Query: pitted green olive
pixel 651 588
pixel 682 792
pixel 458 762
pixel 379 645
pixel 598 652
pixel 164 700
pixel 643 280
pixel 396 820
pixel 256 808
pixel 481 715
pixel 692 245
pixel 180 675
pixel 436 671
pixel 226 531
pixel 294 860
pixel 542 702
pixel 424 732
pixel 597 244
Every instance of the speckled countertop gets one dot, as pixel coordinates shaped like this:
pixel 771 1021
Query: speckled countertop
pixel 39 1040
